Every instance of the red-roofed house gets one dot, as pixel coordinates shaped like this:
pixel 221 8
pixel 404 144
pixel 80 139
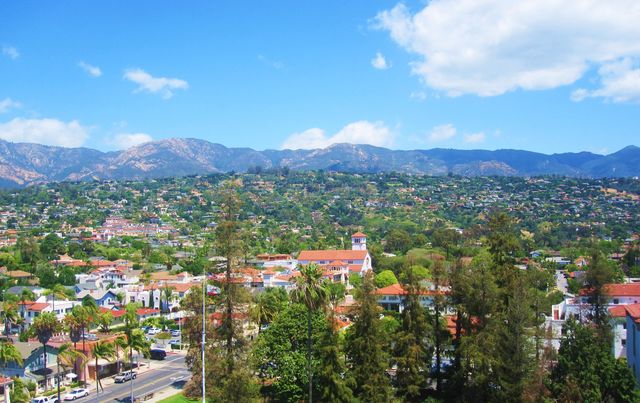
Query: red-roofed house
pixel 580 307
pixel 358 258
pixel 392 297
pixel 632 345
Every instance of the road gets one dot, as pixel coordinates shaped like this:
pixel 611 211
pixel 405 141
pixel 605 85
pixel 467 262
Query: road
pixel 171 370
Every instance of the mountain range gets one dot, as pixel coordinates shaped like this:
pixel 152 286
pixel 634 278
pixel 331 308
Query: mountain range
pixel 23 164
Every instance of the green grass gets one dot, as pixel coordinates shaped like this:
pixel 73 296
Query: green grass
pixel 177 398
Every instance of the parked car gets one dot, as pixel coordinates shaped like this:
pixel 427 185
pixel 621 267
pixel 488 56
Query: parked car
pixel 157 354
pixel 174 341
pixel 45 399
pixel 76 394
pixel 89 336
pixel 153 330
pixel 175 333
pixel 125 376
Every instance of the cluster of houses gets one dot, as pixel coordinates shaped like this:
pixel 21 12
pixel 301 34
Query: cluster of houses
pixel 113 284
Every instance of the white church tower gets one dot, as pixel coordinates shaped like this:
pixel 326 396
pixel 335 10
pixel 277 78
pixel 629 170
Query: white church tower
pixel 358 241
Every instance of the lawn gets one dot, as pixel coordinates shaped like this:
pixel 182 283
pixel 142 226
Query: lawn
pixel 177 398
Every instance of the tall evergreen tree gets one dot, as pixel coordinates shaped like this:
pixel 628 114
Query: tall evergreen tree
pixel 334 383
pixel 599 274
pixel 367 359
pixel 587 371
pixel 513 349
pixel 227 244
pixel 412 350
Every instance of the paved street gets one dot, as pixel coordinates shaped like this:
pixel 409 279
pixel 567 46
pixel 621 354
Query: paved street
pixel 161 375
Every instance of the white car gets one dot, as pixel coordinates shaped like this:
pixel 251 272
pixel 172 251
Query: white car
pixel 45 399
pixel 153 331
pixel 76 394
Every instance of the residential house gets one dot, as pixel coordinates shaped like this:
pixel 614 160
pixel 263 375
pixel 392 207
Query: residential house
pixel 357 259
pixel 393 297
pixel 102 298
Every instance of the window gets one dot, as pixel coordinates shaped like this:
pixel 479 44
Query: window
pixel 616 301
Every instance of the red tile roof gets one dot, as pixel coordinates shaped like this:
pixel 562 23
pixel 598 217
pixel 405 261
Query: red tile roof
pixel 18 274
pixel 331 255
pixel 358 235
pixel 147 311
pixel 618 311
pixel 396 289
pixel 633 310
pixel 38 306
pixel 393 289
pixel 618 290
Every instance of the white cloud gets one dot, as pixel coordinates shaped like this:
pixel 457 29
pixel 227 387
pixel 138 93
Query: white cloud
pixel 7 104
pixel 278 65
pixel 418 95
pixel 93 71
pixel 379 62
pixel 127 140
pixel 620 82
pixel 11 52
pixel 44 131
pixel 442 133
pixel 360 132
pixel 489 47
pixel 475 138
pixel 155 85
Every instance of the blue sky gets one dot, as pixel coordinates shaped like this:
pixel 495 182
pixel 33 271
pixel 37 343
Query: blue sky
pixel 545 75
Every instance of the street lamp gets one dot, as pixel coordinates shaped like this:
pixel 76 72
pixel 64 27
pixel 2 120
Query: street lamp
pixel 204 295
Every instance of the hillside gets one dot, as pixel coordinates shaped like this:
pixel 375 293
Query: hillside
pixel 22 164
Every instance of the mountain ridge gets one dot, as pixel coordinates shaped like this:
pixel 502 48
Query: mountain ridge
pixel 23 164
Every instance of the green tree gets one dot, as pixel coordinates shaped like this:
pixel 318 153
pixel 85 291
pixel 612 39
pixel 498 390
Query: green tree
pixel 309 290
pixel 412 350
pixel 599 274
pixel 385 278
pixel 46 275
pixel 52 246
pixel 102 350
pixel 513 344
pixel 366 358
pixel 585 361
pixel 43 327
pixel 281 353
pixel 228 244
pixel 67 357
pixel 9 354
pixel 104 320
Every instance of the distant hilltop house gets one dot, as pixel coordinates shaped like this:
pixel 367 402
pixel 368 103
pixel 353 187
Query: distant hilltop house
pixel 356 260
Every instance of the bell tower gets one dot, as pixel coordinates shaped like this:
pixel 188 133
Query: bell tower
pixel 358 241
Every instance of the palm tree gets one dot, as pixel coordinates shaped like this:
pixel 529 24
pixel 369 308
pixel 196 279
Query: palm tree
pixel 67 356
pixel 121 344
pixel 104 320
pixel 80 319
pixel 58 291
pixel 8 354
pixel 310 292
pixel 263 310
pixel 136 341
pixel 9 315
pixel 102 350
pixel 44 326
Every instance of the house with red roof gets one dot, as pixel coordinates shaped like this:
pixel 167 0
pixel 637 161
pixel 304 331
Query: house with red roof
pixel 632 345
pixel 393 297
pixel 580 307
pixel 357 259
